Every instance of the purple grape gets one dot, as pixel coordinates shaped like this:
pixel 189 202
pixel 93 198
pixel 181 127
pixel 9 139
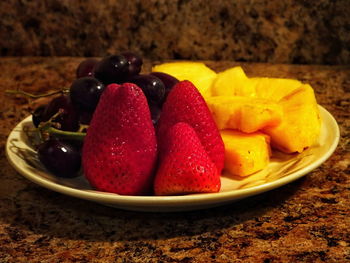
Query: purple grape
pixel 60 158
pixel 86 68
pixel 155 113
pixel 38 114
pixel 68 119
pixel 85 93
pixel 152 87
pixel 168 81
pixel 135 63
pixel 112 69
pixel 85 117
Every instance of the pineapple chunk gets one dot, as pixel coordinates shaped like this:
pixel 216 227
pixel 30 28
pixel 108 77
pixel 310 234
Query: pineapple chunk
pixel 245 154
pixel 196 72
pixel 244 113
pixel 274 88
pixel 300 127
pixel 233 82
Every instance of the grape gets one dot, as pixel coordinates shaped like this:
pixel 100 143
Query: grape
pixel 68 119
pixel 155 113
pixel 38 114
pixel 85 117
pixel 85 93
pixel 168 80
pixel 60 158
pixel 152 87
pixel 134 63
pixel 86 68
pixel 112 69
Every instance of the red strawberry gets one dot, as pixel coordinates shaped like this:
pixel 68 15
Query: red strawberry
pixel 120 148
pixel 185 166
pixel 185 104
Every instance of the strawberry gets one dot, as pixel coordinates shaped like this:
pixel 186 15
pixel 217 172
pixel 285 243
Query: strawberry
pixel 120 148
pixel 185 104
pixel 185 166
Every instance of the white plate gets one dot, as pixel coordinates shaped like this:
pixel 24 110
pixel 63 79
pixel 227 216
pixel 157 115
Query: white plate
pixel 282 169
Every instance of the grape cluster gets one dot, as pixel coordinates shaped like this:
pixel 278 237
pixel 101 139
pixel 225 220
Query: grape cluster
pixel 70 111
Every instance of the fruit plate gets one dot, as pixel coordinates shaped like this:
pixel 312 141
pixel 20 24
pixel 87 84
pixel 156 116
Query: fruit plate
pixel 281 170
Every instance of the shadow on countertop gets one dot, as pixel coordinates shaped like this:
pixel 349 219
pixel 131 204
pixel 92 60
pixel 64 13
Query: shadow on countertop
pixel 50 214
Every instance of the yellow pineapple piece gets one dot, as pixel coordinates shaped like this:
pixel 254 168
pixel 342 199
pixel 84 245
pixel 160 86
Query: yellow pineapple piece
pixel 274 88
pixel 196 72
pixel 245 154
pixel 300 127
pixel 244 113
pixel 233 82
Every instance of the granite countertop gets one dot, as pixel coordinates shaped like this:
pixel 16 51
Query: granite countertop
pixel 304 221
pixel 313 31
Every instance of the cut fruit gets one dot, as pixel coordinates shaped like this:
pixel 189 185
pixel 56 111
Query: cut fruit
pixel 245 154
pixel 274 88
pixel 300 127
pixel 285 109
pixel 196 72
pixel 244 113
pixel 233 82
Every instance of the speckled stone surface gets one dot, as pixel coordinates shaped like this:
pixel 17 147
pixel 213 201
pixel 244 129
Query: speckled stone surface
pixel 300 31
pixel 305 221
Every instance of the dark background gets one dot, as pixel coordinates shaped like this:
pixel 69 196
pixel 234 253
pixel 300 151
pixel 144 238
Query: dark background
pixel 306 32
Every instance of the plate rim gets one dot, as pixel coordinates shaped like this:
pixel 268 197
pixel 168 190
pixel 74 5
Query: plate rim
pixel 124 201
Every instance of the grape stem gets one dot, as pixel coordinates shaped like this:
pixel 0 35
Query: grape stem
pixel 34 96
pixel 46 128
pixel 79 136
